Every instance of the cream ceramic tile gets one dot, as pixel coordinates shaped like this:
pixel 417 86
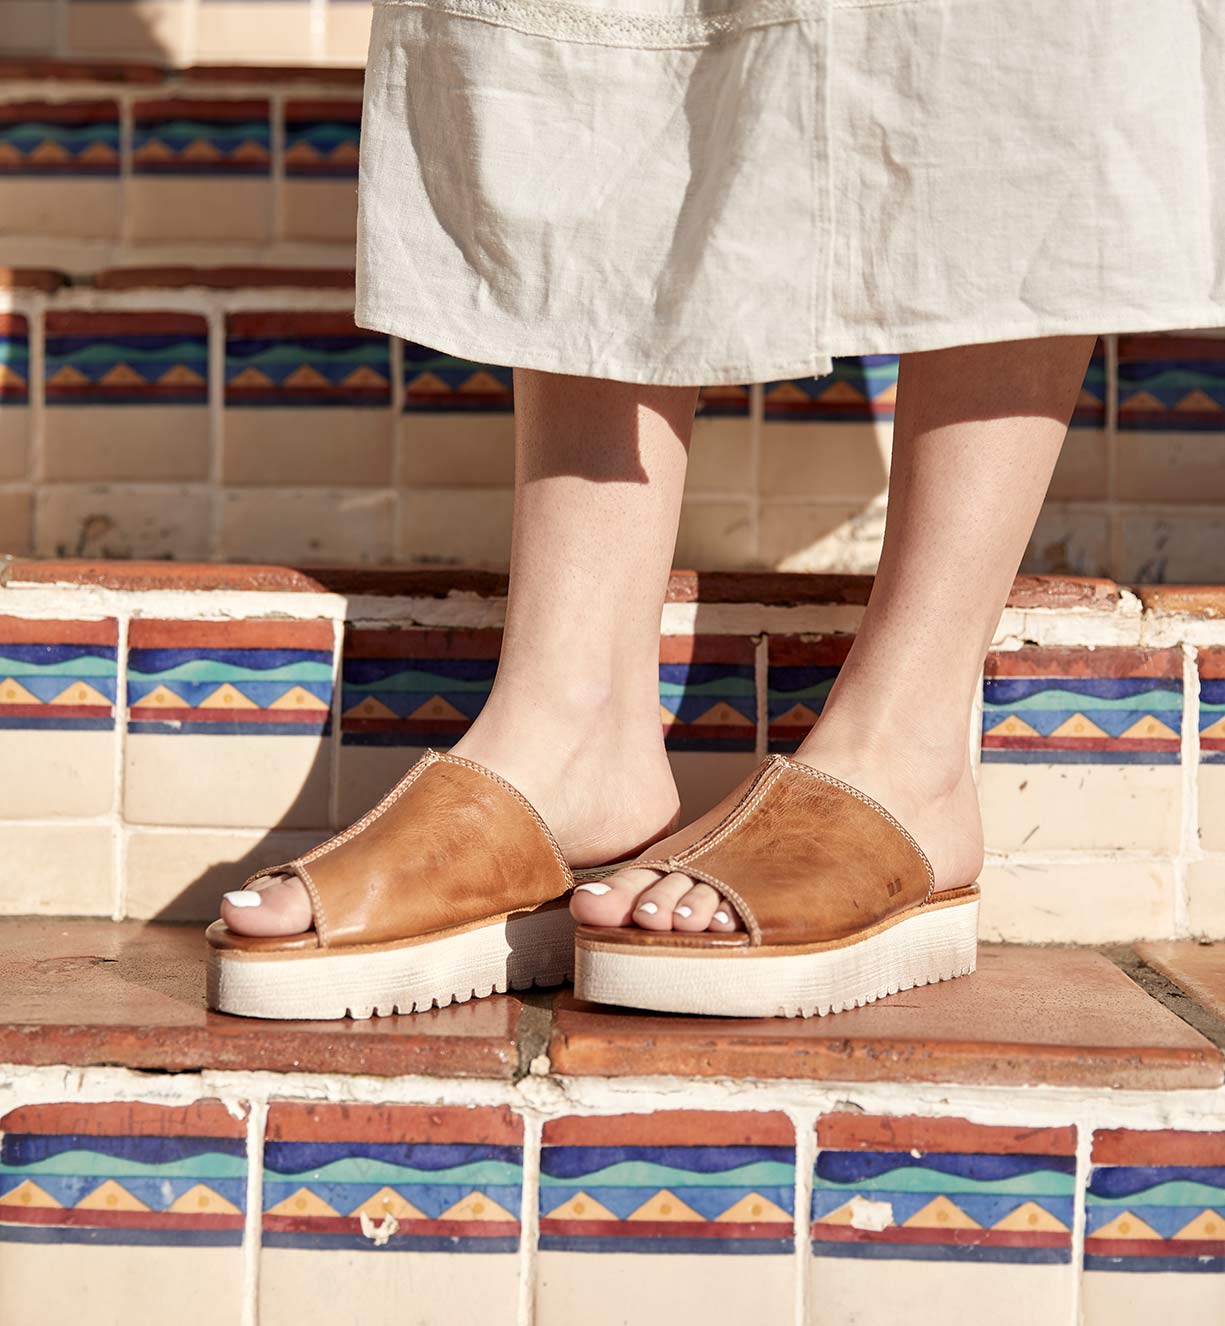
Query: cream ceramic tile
pixel 320 211
pixel 714 535
pixel 1211 781
pixel 62 208
pixel 1097 901
pixel 815 536
pixel 229 211
pixel 1069 540
pixel 456 450
pixel 1122 1299
pixel 1106 807
pixel 720 456
pixel 61 870
pixel 151 520
pixel 181 876
pixel 16 523
pixel 254 31
pixel 126 442
pixel 455 525
pixel 337 447
pixel 1171 467
pixel 1082 471
pixel 267 525
pixel 1206 898
pixel 228 723
pixel 27 27
pixel 62 772
pixel 151 29
pixel 832 461
pixel 367 772
pixel 1186 547
pixel 705 777
pixel 347 31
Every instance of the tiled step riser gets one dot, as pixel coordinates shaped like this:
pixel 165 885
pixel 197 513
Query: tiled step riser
pixel 497 1212
pixel 171 742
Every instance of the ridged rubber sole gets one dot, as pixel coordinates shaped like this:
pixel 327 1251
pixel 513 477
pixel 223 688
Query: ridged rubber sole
pixel 936 943
pixel 513 953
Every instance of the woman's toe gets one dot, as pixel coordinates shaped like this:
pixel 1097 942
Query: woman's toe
pixel 610 901
pixel 274 905
pixel 693 911
pixel 724 917
pixel 655 905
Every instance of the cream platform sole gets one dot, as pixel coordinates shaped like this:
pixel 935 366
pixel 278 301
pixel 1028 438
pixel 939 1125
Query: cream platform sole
pixel 935 943
pixel 513 952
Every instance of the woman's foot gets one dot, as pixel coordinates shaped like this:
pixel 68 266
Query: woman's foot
pixel 604 796
pixel 938 806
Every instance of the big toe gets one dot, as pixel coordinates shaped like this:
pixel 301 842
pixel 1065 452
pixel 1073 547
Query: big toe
pixel 275 905
pixel 612 900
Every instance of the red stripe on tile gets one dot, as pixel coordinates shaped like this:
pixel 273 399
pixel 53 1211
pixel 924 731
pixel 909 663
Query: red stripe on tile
pixel 1075 661
pixel 31 631
pixel 146 633
pixel 672 1128
pixel 204 1118
pixel 321 108
pixel 1154 1247
pixel 990 1238
pixel 1154 346
pixel 297 324
pixel 870 1132
pixel 51 711
pixel 13 324
pixel 665 1229
pixel 821 651
pixel 66 322
pixel 59 112
pixel 178 714
pixel 416 642
pixel 41 1215
pixel 460 1229
pixel 294 1121
pixel 198 108
pixel 1161 1146
pixel 706 649
pixel 1211 663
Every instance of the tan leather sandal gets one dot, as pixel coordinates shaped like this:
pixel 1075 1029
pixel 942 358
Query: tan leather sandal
pixel 837 901
pixel 452 886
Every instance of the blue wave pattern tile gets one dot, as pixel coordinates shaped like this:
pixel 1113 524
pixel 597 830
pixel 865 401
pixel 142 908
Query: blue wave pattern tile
pixel 14 360
pixel 723 402
pixel 414 687
pixel 1083 706
pixel 322 139
pixel 437 382
pixel 123 1173
pixel 1212 706
pixel 305 359
pixel 249 678
pixel 126 359
pixel 447 1179
pixel 188 136
pixel 861 389
pixel 1172 383
pixel 71 139
pixel 1156 1202
pixel 640 1184
pixel 707 692
pixel 801 673
pixel 1090 409
pixel 58 674
pixel 942 1190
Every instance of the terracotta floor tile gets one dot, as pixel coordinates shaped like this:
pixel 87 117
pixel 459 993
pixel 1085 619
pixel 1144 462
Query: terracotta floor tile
pixel 1199 969
pixel 91 992
pixel 1065 1017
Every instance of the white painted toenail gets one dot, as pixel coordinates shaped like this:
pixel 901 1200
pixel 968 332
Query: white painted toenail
pixel 598 889
pixel 244 898
pixel 722 918
pixel 684 911
pixel 649 907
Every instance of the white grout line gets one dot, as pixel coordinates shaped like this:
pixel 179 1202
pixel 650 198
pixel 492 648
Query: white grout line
pixel 252 1233
pixel 761 682
pixel 334 753
pixel 805 1124
pixel 529 1218
pixel 1084 1149
pixel 216 427
pixel 318 31
pixel 120 837
pixel 1189 845
pixel 756 421
pixel 36 459
pixel 1111 428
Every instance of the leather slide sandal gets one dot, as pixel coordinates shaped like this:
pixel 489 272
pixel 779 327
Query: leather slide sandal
pixel 452 886
pixel 837 900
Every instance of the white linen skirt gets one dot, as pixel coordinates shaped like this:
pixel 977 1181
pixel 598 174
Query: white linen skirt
pixel 730 191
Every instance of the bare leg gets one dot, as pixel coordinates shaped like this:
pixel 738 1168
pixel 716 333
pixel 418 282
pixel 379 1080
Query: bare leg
pixel 977 434
pixel 572 720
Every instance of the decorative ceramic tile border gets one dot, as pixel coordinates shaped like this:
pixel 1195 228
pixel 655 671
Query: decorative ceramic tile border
pixel 46 139
pixel 248 678
pixel 392 1178
pixel 861 389
pixel 190 136
pixel 434 381
pixel 708 692
pixel 1082 706
pixel 1174 383
pixel 724 402
pixel 414 687
pixel 1211 664
pixel 801 671
pixel 58 674
pixel 123 1173
pixel 683 1181
pixel 322 139
pixel 14 359
pixel 122 358
pixel 942 1190
pixel 1090 411
pixel 305 359
pixel 1156 1202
